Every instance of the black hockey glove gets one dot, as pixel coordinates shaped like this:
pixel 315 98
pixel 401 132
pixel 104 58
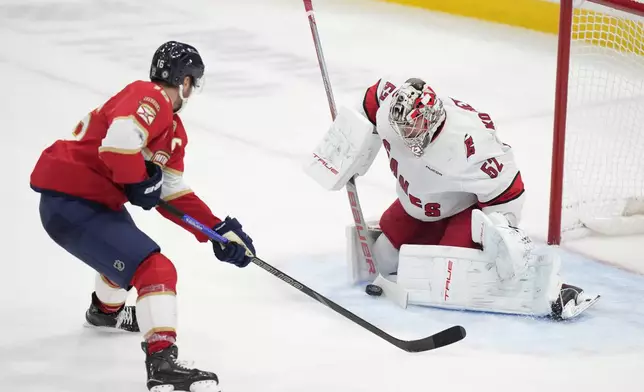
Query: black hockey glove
pixel 147 193
pixel 239 249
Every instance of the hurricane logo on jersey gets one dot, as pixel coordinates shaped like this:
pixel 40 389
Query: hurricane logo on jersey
pixel 469 146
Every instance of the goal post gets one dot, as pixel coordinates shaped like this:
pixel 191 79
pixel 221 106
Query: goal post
pixel 597 173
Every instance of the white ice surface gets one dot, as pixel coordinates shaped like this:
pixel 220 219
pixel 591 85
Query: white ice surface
pixel 263 108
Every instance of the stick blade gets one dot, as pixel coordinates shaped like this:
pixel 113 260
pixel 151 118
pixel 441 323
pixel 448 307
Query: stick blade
pixel 437 340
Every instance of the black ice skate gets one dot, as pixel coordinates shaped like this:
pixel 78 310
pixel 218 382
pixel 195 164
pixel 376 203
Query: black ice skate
pixel 572 301
pixel 124 319
pixel 166 373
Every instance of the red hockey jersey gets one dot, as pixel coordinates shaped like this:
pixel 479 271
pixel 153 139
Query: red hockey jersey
pixel 108 149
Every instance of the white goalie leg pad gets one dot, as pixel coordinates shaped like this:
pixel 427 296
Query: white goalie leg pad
pixel 360 262
pixel 156 312
pixel 466 279
pixel 347 149
pixel 109 293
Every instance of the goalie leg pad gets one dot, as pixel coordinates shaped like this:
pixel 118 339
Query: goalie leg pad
pixel 461 278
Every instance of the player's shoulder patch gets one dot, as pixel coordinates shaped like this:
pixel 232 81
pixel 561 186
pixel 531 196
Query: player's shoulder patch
pixel 146 112
pixel 152 102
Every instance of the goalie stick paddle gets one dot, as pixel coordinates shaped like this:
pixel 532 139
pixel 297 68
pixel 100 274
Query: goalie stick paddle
pixel 440 339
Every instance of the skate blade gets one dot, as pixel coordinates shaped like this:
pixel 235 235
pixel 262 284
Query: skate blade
pixel 575 311
pixel 106 329
pixel 205 386
pixel 162 388
pixel 199 386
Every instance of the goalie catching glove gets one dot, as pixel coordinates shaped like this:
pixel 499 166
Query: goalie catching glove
pixel 509 247
pixel 239 250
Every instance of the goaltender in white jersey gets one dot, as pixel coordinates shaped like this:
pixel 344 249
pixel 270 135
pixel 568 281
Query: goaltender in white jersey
pixel 451 235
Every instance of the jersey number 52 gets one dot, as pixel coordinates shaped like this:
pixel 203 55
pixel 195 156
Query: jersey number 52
pixel 492 167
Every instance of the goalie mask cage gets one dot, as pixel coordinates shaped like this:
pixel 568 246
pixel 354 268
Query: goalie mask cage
pixel 597 179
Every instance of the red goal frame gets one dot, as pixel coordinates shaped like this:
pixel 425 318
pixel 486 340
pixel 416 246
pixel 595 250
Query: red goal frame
pixel 561 103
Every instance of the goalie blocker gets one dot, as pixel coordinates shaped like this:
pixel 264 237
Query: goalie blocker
pixel 348 149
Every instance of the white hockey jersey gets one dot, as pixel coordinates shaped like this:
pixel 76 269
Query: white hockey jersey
pixel 465 164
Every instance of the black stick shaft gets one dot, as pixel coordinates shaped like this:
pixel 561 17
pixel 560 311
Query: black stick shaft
pixel 445 337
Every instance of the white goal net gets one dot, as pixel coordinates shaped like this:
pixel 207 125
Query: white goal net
pixel 603 183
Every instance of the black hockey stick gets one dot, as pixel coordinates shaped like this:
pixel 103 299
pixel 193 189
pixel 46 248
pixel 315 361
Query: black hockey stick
pixel 440 339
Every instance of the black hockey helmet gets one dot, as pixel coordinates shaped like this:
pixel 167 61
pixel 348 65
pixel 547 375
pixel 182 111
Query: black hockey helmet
pixel 173 61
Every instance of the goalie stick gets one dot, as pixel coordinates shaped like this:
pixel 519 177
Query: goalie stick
pixel 440 339
pixel 366 243
pixel 448 336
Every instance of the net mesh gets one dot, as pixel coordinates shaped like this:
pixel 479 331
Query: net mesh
pixel 604 150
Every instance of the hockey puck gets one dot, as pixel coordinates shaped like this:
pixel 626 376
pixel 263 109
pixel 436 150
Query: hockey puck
pixel 373 290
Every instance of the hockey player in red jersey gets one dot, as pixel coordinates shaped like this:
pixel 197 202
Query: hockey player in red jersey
pixel 131 149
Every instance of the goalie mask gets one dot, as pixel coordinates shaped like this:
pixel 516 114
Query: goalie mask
pixel 415 114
